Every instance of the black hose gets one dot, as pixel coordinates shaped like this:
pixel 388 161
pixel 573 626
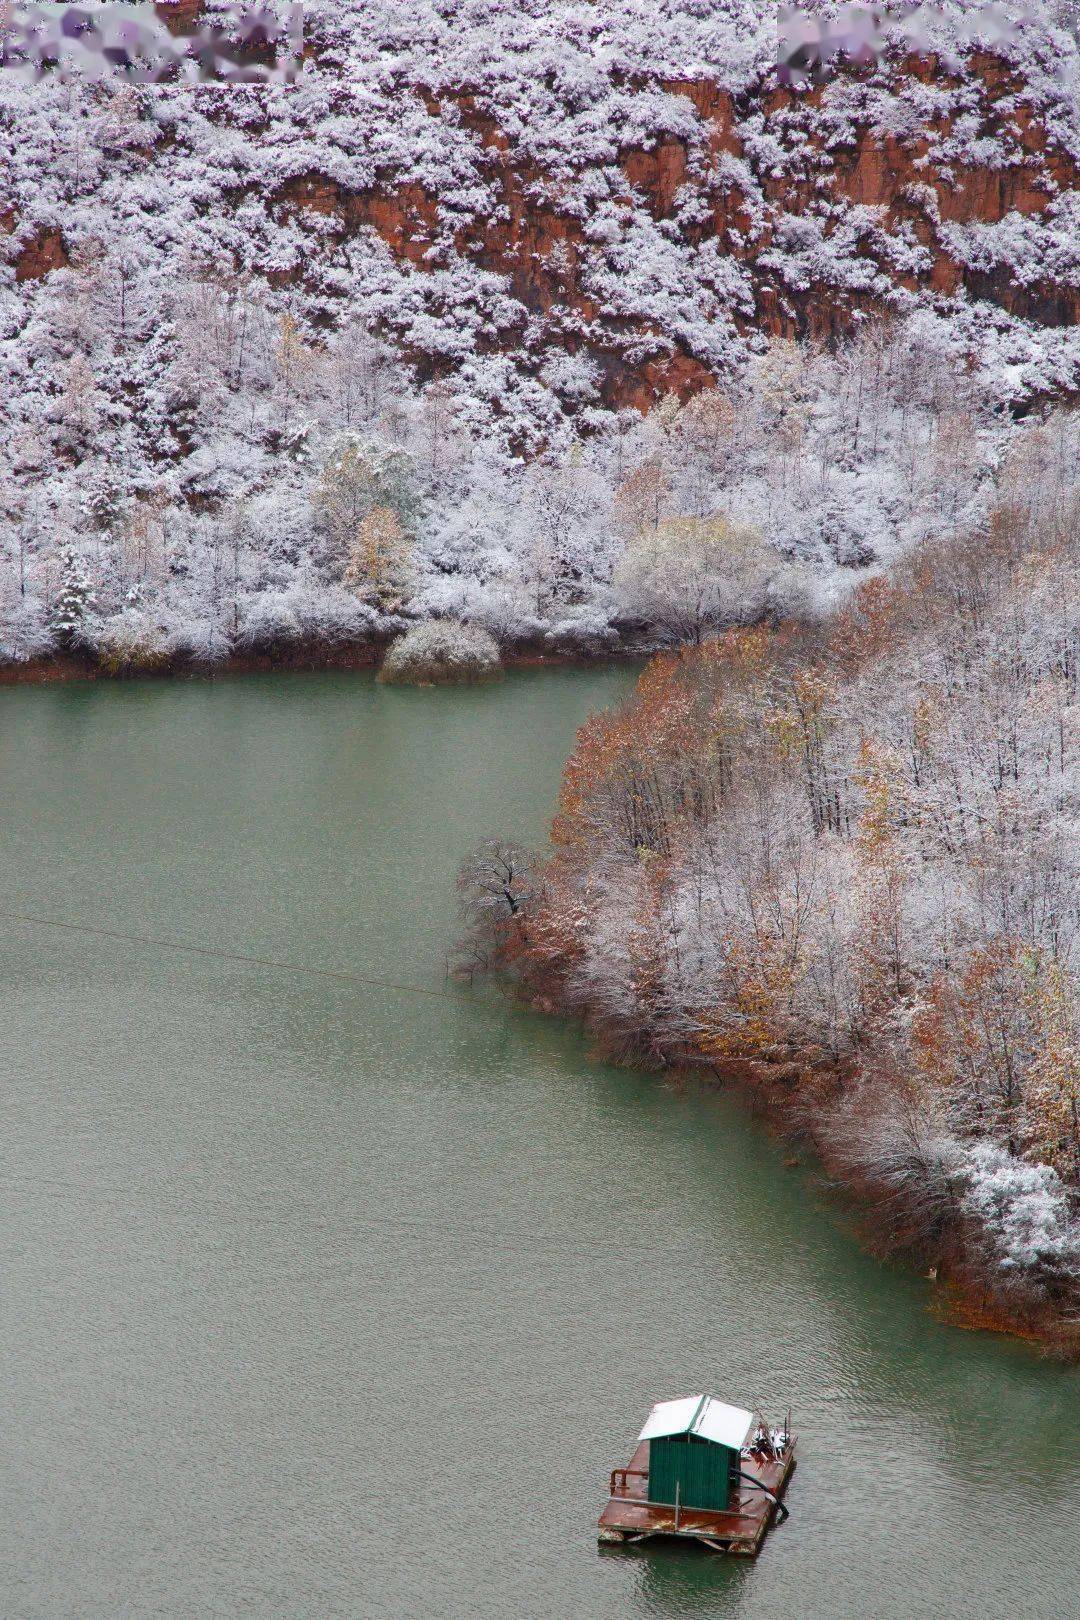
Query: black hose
pixel 752 1479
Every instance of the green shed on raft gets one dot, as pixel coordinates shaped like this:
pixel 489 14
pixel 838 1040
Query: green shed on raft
pixel 695 1450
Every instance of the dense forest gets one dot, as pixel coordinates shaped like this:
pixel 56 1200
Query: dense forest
pixel 837 862
pixel 770 496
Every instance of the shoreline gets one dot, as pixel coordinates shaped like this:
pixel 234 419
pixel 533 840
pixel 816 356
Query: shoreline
pixel 959 1296
pixel 309 660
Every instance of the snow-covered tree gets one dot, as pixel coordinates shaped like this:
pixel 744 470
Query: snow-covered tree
pixel 380 559
pixel 74 596
pixel 359 477
pixel 689 576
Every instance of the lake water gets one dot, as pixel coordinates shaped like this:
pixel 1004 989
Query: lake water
pixel 326 1297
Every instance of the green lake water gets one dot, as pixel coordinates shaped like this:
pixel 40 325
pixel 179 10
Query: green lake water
pixel 322 1297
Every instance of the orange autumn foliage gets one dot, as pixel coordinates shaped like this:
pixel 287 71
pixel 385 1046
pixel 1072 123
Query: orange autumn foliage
pixel 834 860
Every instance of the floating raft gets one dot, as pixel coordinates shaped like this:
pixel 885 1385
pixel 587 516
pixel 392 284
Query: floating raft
pixel 740 1529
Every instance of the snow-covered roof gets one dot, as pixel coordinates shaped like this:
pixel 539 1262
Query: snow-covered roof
pixel 701 1415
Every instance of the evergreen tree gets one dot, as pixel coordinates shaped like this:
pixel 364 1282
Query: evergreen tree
pixel 74 598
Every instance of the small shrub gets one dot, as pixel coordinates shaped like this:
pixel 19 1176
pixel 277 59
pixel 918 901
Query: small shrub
pixel 25 632
pixel 442 650
pixel 269 623
pixel 131 644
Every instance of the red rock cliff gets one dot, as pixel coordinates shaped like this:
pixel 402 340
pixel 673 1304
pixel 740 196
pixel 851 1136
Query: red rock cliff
pixel 875 210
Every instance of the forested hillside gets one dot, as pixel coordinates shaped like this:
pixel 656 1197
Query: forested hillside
pixel 575 321
pixel 839 864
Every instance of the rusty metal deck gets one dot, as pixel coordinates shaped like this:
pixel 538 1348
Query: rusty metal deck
pixel 630 1516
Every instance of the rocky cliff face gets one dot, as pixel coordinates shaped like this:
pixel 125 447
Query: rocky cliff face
pixel 826 216
pixel 568 211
